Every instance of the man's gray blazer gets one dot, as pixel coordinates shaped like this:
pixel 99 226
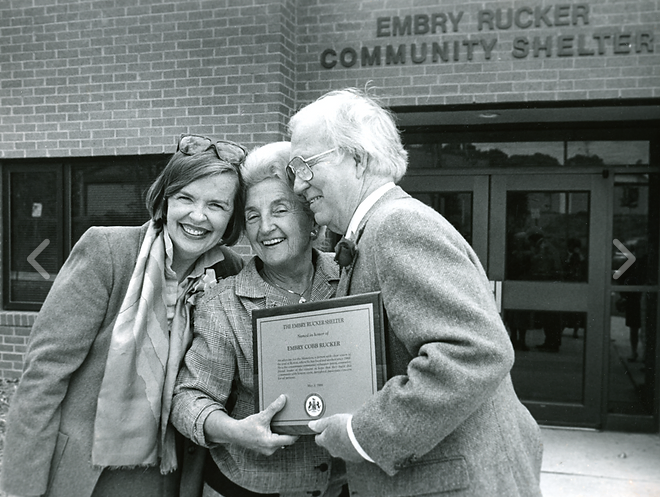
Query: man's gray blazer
pixel 448 419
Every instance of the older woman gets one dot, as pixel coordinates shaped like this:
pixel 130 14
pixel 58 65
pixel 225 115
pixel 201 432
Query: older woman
pixel 90 416
pixel 249 458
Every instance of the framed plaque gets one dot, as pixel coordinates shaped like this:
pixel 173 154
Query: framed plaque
pixel 327 357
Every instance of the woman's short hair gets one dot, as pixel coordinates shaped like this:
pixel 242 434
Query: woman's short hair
pixel 266 162
pixel 180 171
pixel 360 126
pixel 269 162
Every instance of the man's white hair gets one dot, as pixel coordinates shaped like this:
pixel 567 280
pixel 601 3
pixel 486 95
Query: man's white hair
pixel 358 125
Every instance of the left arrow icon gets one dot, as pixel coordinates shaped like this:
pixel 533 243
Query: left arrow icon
pixel 32 259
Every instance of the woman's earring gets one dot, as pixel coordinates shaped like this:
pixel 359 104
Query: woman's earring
pixel 315 234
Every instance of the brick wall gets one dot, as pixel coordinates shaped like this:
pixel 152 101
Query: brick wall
pixel 580 72
pixel 116 77
pixel 14 331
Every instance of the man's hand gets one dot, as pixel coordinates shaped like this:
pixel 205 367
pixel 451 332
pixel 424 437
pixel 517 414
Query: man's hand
pixel 333 437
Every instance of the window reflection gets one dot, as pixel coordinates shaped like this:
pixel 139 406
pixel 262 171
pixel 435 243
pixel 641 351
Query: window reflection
pixel 632 368
pixel 422 156
pixel 542 371
pixel 635 225
pixel 521 154
pixel 34 220
pixel 465 155
pixel 459 155
pixel 547 236
pixel 110 195
pixel 455 207
pixel 607 153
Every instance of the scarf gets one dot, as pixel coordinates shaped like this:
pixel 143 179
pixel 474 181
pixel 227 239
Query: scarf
pixel 132 418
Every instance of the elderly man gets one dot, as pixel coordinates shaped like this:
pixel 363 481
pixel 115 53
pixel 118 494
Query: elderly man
pixel 448 419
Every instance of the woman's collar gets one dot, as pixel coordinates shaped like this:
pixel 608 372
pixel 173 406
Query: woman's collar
pixel 209 258
pixel 249 282
pixel 204 261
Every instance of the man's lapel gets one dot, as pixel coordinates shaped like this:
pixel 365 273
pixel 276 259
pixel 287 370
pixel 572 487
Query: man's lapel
pixel 346 273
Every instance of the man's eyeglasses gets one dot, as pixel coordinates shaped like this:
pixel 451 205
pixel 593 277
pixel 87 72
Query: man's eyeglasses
pixel 226 151
pixel 302 168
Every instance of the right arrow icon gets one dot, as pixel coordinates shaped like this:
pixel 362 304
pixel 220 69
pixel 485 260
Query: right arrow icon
pixel 631 259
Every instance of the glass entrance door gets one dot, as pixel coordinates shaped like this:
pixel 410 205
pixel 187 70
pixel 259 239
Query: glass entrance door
pixel 462 200
pixel 544 238
pixel 547 246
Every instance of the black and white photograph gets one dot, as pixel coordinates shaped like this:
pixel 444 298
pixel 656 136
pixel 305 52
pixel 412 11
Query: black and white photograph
pixel 188 186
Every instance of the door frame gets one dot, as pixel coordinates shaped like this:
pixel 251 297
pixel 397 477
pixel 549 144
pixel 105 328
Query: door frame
pixel 587 297
pixel 477 184
pixel 489 242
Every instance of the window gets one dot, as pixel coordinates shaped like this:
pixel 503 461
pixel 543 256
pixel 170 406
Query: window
pixel 33 214
pixel 634 303
pixel 48 205
pixel 547 236
pixel 456 207
pixel 445 147
pixel 635 224
pixel 473 154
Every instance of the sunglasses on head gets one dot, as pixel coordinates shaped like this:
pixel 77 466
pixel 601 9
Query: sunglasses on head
pixel 226 151
pixel 302 168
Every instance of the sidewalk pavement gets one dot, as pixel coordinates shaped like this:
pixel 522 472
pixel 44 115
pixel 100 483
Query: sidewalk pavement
pixel 589 463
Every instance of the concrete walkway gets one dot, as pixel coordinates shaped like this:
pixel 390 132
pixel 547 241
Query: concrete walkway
pixel 586 463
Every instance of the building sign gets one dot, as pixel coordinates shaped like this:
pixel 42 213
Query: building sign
pixel 489 22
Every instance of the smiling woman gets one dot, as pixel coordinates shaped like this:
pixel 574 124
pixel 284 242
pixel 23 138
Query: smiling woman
pixel 198 216
pixel 106 347
pixel 278 226
pixel 218 369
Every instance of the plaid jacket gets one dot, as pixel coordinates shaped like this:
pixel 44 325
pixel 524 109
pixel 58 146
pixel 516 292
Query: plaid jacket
pixel 221 352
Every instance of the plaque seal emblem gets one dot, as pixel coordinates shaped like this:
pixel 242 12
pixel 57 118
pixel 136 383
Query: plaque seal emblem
pixel 314 405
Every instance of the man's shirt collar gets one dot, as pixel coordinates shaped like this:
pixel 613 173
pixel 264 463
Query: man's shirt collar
pixel 364 207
